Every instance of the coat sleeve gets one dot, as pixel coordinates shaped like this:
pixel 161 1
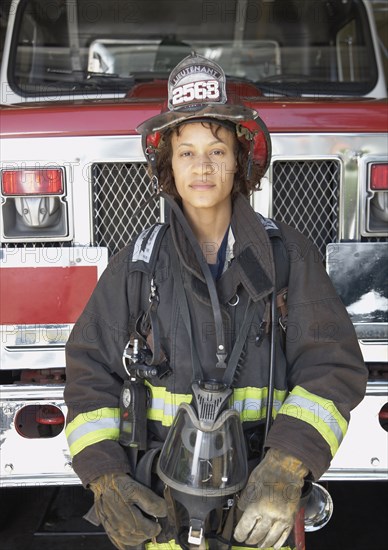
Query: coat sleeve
pixel 94 376
pixel 326 372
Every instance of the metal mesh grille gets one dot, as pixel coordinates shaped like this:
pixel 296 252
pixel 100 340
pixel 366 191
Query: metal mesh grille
pixel 305 195
pixel 118 190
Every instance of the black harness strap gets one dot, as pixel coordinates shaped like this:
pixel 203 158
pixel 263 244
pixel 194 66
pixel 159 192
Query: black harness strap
pixel 229 373
pixel 185 313
pixel 231 367
pixel 221 353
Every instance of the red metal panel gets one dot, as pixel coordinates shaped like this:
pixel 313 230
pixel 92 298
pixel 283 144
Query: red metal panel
pixel 44 295
pixel 122 118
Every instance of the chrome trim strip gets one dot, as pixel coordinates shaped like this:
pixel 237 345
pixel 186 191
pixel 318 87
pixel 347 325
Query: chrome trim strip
pixel 23 392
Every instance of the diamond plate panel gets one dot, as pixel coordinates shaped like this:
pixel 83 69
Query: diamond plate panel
pixel 306 196
pixel 118 191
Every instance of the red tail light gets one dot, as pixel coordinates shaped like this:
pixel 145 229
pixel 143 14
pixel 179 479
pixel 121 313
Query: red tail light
pixel 379 177
pixel 49 414
pixel 39 421
pixel 32 182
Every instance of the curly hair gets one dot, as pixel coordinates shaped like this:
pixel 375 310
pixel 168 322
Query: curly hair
pixel 247 179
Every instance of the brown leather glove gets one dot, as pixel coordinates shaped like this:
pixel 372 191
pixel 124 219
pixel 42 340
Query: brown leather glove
pixel 270 500
pixel 118 501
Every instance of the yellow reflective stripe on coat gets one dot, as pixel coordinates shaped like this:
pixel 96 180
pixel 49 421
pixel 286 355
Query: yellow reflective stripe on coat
pixel 320 413
pixel 172 545
pixel 92 427
pixel 164 404
pixel 249 402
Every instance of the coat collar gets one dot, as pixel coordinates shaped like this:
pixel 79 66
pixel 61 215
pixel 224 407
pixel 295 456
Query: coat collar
pixel 251 259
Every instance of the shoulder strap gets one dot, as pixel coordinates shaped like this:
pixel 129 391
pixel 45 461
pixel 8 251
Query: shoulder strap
pixel 144 253
pixel 281 259
pixel 282 266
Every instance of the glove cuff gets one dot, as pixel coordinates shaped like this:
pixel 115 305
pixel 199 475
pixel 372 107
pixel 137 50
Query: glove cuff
pixel 102 483
pixel 287 463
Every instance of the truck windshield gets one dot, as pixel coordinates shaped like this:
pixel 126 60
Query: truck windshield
pixel 294 46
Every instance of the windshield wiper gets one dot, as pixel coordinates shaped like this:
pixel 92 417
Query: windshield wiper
pixel 263 87
pixel 83 79
pixel 103 78
pixel 277 90
pixel 293 85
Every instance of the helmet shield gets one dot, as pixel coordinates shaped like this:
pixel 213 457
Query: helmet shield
pixel 204 462
pixel 197 91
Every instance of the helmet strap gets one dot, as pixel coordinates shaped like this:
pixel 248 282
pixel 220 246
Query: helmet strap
pixel 151 158
pixel 250 162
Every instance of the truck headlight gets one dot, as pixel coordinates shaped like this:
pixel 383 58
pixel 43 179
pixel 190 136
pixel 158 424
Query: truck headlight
pixel 34 205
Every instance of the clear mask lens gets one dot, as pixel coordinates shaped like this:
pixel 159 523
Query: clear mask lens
pixel 194 460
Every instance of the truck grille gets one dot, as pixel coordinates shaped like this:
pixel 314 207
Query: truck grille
pixel 305 195
pixel 118 191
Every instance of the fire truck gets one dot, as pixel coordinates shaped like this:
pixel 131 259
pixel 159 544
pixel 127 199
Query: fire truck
pixel 77 78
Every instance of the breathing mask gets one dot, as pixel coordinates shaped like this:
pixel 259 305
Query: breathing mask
pixel 203 460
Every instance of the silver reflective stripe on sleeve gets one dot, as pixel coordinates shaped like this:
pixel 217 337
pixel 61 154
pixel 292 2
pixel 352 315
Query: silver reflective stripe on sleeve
pixel 91 427
pixel 320 413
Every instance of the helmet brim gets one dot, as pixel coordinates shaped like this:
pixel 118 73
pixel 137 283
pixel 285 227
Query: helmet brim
pixel 169 119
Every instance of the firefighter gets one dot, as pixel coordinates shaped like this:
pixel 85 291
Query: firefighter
pixel 201 396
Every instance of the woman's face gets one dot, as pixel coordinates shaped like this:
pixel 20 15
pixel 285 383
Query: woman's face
pixel 204 165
